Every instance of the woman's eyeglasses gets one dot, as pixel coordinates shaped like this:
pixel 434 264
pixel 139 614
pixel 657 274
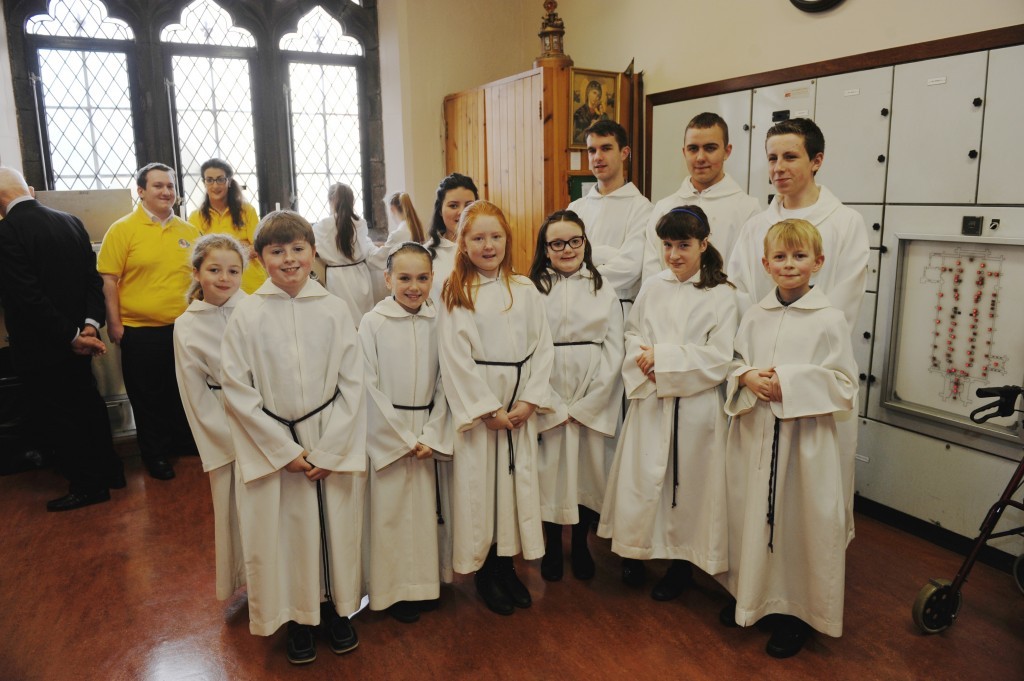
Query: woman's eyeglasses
pixel 560 244
pixel 216 180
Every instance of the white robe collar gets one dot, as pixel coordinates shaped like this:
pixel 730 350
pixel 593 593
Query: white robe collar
pixel 725 187
pixel 201 305
pixel 310 290
pixel 626 191
pixel 389 307
pixel 818 212
pixel 815 299
pixel 668 275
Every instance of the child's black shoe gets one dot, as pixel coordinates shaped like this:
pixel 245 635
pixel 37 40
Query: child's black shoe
pixel 340 632
pixel 788 638
pixel 404 612
pixel 301 647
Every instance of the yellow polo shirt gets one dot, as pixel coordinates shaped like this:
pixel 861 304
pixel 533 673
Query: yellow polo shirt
pixel 220 223
pixel 153 266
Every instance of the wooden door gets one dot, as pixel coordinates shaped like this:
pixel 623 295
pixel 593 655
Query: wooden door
pixel 465 149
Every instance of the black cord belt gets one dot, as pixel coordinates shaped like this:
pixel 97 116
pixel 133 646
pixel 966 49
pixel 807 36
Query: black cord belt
pixel 213 386
pixel 437 482
pixel 519 375
pixel 348 264
pixel 675 450
pixel 563 344
pixel 773 486
pixel 324 556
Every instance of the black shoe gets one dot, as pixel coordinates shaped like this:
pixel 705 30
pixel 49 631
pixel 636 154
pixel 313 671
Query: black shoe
pixel 788 638
pixel 582 561
pixel 404 612
pixel 301 647
pixel 552 564
pixel 340 632
pixel 428 605
pixel 160 469
pixel 510 584
pixel 633 572
pixel 495 598
pixel 727 615
pixel 115 480
pixel 70 502
pixel 676 579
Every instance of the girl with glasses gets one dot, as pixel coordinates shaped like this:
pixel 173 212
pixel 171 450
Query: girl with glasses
pixel 586 327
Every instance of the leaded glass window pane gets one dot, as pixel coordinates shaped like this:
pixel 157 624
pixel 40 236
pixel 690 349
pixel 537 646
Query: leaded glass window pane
pixel 213 101
pixel 204 22
pixel 78 19
pixel 319 32
pixel 88 115
pixel 325 133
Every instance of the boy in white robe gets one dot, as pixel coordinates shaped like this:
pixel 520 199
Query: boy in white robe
pixel 796 150
pixel 408 426
pixel 794 371
pixel 292 377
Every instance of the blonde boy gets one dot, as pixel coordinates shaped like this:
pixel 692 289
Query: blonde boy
pixel 293 385
pixel 794 370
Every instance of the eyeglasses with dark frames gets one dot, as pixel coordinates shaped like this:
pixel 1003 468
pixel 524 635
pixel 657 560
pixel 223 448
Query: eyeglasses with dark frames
pixel 216 180
pixel 559 244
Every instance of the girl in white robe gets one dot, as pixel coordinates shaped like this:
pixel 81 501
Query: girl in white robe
pixel 453 195
pixel 784 455
pixel 585 318
pixel 343 243
pixel 666 489
pixel 406 227
pixel 496 356
pixel 217 264
pixel 407 427
pixel 290 352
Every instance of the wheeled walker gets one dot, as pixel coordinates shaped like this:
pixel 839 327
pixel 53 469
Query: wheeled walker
pixel 938 603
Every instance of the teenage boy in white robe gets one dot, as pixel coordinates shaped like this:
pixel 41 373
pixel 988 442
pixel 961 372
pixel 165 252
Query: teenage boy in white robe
pixel 290 352
pixel 794 371
pixel 796 150
pixel 706 148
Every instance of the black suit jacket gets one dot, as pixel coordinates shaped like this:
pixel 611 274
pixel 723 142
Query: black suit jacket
pixel 48 283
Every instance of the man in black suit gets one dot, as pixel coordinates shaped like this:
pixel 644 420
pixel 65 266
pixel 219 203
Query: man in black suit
pixel 53 303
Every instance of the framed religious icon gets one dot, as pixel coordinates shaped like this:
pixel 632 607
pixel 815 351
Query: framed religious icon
pixel 594 96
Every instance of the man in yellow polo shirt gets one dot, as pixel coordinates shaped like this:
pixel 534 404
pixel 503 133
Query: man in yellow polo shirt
pixel 145 262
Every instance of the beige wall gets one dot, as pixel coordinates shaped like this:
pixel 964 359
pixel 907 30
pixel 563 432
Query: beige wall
pixel 680 43
pixel 428 50
pixel 10 151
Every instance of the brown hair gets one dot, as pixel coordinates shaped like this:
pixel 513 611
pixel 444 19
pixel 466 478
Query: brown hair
pixel 403 203
pixel 690 222
pixel 459 287
pixel 205 244
pixel 282 227
pixel 343 208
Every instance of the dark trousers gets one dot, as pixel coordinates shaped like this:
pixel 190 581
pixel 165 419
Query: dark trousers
pixel 71 418
pixel 147 362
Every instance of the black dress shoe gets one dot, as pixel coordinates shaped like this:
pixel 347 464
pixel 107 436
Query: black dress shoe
pixel 676 579
pixel 633 572
pixel 70 502
pixel 582 561
pixel 494 596
pixel 510 584
pixel 301 648
pixel 552 564
pixel 341 634
pixel 427 605
pixel 115 480
pixel 727 615
pixel 788 638
pixel 160 469
pixel 404 612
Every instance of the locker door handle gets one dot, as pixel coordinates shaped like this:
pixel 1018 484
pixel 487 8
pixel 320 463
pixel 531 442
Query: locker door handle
pixel 877 227
pixel 977 101
pixel 973 153
pixel 871 378
pixel 746 127
pixel 885 112
pixel 867 334
pixel 863 377
pixel 881 158
pixel 883 249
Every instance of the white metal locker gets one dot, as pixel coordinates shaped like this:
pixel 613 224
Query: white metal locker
pixel 852 111
pixel 772 104
pixel 1002 149
pixel 863 337
pixel 937 108
pixel 872 222
pixel 668 169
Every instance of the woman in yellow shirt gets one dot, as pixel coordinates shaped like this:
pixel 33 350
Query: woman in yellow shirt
pixel 225 212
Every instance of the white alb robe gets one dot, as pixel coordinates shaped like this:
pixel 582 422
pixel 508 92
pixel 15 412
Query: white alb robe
pixel 572 460
pixel 490 504
pixel 804 574
pixel 400 350
pixel 197 336
pixel 727 206
pixel 842 279
pixel 691 331
pixel 348 278
pixel 444 261
pixel 615 224
pixel 291 356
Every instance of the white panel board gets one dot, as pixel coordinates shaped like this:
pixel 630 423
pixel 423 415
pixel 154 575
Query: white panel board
pixel 852 111
pixel 96 208
pixel 937 108
pixel 1002 149
pixel 668 169
pixel 873 222
pixel 788 100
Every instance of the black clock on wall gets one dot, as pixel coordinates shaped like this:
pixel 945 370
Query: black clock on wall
pixel 815 5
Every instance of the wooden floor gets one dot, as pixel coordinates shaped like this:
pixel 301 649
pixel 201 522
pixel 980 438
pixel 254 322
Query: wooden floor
pixel 125 590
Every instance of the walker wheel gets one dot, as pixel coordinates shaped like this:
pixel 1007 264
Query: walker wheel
pixel 1018 572
pixel 936 606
